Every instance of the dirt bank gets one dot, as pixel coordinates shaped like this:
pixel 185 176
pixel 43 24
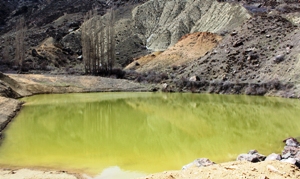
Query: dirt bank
pixel 36 174
pixel 230 170
pixel 8 109
pixel 43 84
pixel 16 86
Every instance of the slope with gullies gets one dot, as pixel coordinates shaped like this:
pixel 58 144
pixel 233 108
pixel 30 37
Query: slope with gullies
pixel 189 48
pixel 162 23
pixel 258 53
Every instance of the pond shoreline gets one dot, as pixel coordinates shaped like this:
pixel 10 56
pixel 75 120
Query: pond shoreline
pixel 18 86
pixel 14 86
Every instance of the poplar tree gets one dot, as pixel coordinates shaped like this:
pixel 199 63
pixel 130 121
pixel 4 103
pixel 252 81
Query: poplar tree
pixel 19 43
pixel 98 43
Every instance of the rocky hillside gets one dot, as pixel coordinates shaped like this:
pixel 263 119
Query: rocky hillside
pixel 259 55
pixel 253 42
pixel 53 40
pixel 55 23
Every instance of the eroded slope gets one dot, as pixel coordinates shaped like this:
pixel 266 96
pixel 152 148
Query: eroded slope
pixel 190 47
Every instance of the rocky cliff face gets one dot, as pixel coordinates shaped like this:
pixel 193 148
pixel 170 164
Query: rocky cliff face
pixel 161 23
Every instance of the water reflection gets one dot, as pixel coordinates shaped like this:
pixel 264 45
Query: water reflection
pixel 143 132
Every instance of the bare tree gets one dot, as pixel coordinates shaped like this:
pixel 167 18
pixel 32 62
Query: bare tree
pixel 19 42
pixel 110 39
pixel 86 44
pixel 98 43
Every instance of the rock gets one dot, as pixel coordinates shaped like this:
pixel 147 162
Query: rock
pixel 34 53
pixel 292 142
pixel 286 155
pixel 253 152
pixel 74 24
pixel 271 168
pixel 194 78
pixel 201 162
pixel 238 43
pixel 279 58
pixel 247 157
pixel 289 160
pixel 273 156
pixel 291 149
pixel 233 33
pixel 287 50
pixel 251 156
pixel 297 156
pixel 164 86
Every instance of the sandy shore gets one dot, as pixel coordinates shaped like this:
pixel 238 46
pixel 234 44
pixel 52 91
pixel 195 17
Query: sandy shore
pixel 35 174
pixel 234 170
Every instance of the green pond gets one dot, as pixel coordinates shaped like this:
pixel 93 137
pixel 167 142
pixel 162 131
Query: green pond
pixel 127 135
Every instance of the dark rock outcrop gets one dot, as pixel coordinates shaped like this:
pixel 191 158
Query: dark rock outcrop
pixel 251 156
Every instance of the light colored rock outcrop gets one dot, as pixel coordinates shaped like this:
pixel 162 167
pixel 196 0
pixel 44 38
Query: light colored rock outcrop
pixel 161 23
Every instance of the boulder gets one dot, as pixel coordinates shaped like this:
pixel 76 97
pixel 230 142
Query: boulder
pixel 194 78
pixel 291 142
pixel 279 58
pixel 297 156
pixel 238 43
pixel 80 57
pixel 201 162
pixel 164 86
pixel 289 150
pixel 286 155
pixel 247 157
pixel 289 160
pixel 251 156
pixel 273 156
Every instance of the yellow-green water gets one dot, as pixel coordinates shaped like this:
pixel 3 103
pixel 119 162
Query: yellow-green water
pixel 133 134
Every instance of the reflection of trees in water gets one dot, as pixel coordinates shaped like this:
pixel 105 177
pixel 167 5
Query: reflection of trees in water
pixel 166 128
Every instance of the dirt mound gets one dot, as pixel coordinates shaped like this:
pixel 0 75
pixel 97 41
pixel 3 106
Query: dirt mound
pixel 233 170
pixel 190 47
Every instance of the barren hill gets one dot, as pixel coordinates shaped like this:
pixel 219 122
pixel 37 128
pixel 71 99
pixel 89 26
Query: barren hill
pixel 260 40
